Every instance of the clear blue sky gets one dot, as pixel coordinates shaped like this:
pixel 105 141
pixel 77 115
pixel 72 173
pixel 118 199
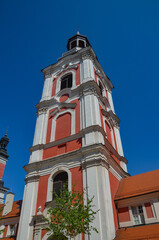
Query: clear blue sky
pixel 124 35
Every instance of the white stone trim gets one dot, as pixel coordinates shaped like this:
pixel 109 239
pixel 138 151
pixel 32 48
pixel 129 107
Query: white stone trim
pixel 118 141
pixel 88 70
pixel 53 127
pixel 54 172
pixel 58 84
pixel 110 101
pixel 46 94
pixel 26 225
pixel 111 130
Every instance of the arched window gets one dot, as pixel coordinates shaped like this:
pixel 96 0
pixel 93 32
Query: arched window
pixel 66 81
pixel 59 181
pixel 100 88
pixel 108 131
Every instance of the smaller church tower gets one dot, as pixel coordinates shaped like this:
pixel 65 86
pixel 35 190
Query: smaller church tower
pixel 3 160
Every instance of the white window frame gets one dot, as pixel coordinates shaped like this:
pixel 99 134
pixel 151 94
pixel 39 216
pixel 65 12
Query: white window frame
pixel 138 214
pixel 54 172
pixel 103 91
pixel 58 85
pixel 9 230
pixel 111 130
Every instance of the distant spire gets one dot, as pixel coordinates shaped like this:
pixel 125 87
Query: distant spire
pixel 6 132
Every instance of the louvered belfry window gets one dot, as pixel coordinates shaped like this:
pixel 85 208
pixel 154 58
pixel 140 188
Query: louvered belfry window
pixel 66 82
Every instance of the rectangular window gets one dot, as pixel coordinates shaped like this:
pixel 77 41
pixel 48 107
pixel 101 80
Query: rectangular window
pixel 138 215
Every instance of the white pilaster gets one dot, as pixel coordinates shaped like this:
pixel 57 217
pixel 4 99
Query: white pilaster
pixel 110 100
pixel 88 71
pixel 97 180
pixel 41 128
pixel 118 141
pixel 26 224
pixel 46 89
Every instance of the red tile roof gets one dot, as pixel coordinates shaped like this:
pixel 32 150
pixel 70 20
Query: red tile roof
pixel 138 185
pixel 140 232
pixel 16 208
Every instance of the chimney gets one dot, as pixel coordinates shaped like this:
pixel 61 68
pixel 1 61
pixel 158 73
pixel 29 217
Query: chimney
pixel 8 203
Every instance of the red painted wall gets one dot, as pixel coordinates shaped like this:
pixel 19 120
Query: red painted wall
pixel 48 135
pixel 101 116
pixel 114 183
pixel 69 146
pixel 2 167
pixel 77 115
pixel 95 75
pixel 5 231
pixel 43 233
pixel 42 192
pixel 64 97
pixel 149 210
pixel 77 179
pixel 63 126
pixel 123 214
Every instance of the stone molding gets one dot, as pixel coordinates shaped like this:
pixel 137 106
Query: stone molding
pixel 42 111
pixel 64 68
pixel 34 178
pixel 74 159
pixel 63 105
pixel 93 128
pixel 85 53
pixel 86 88
pixel 114 120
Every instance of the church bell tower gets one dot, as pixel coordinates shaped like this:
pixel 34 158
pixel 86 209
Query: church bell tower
pixel 77 140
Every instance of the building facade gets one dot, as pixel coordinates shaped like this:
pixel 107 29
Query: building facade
pixel 77 141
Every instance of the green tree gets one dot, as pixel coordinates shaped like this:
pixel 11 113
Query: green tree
pixel 70 216
pixel 1 209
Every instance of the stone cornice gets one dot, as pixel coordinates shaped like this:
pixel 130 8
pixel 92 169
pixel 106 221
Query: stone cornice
pixel 111 116
pixel 63 105
pixel 79 135
pixel 86 88
pixel 85 53
pixel 64 68
pixel 94 154
pixel 34 178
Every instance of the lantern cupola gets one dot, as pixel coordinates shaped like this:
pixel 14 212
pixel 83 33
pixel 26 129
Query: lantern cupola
pixel 78 41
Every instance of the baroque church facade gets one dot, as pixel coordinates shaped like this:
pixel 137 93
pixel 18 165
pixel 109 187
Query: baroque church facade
pixel 77 140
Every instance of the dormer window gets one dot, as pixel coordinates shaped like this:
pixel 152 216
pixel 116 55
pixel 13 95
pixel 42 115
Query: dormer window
pixel 66 81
